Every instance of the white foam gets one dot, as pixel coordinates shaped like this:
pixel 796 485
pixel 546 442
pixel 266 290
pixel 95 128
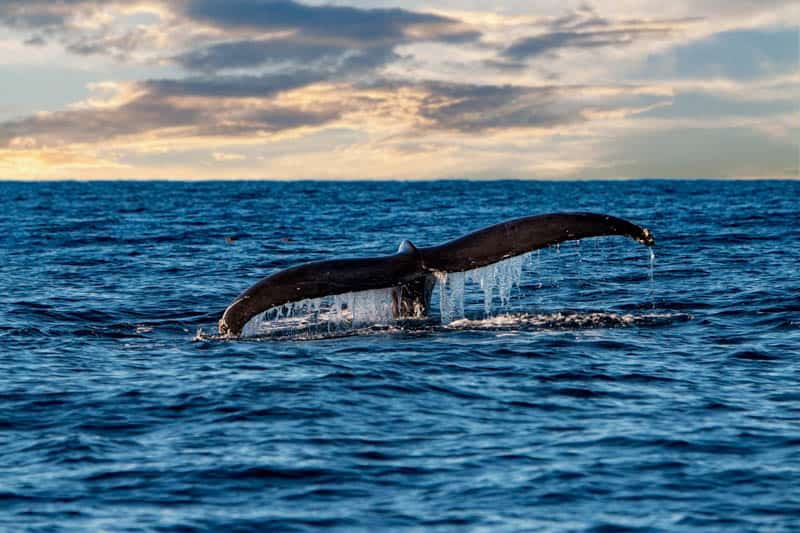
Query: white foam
pixel 565 320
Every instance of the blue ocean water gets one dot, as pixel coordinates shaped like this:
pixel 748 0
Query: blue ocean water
pixel 601 398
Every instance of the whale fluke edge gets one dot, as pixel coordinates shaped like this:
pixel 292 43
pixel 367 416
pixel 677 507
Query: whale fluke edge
pixel 411 270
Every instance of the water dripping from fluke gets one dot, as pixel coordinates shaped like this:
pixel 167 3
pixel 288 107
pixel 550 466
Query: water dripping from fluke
pixel 373 311
pixel 326 315
pixel 354 291
pixel 498 278
pixel 652 277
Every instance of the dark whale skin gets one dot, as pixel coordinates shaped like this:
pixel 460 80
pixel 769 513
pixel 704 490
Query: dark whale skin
pixel 411 267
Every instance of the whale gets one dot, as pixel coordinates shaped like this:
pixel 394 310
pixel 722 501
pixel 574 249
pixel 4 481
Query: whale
pixel 411 271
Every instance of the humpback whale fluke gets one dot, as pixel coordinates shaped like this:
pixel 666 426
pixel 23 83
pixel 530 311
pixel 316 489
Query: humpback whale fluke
pixel 411 270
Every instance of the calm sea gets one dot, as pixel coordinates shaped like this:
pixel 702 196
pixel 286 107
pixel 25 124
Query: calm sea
pixel 604 396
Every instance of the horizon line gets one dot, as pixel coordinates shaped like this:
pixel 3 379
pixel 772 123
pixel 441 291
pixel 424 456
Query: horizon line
pixel 391 180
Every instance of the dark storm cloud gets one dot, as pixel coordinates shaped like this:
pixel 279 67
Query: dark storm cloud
pixel 364 26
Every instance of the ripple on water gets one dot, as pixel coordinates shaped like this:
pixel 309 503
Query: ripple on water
pixel 587 399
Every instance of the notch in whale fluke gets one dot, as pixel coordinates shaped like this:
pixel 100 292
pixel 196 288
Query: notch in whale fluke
pixel 411 268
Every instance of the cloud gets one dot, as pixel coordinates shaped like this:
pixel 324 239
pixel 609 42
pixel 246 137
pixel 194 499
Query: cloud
pixel 506 91
pixel 86 27
pixel 583 28
pixel 218 35
pixel 118 46
pixel 269 119
pixel 347 25
pixel 226 156
pixel 335 40
pixel 470 108
pixel 539 44
pixel 474 108
pixel 286 53
pixel 259 106
pixel 229 86
pixel 173 107
pixel 40 14
pixel 257 52
pixel 93 125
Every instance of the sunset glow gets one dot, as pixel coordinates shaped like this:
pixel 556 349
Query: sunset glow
pixel 277 89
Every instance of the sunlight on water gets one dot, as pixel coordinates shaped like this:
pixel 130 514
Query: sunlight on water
pixel 577 407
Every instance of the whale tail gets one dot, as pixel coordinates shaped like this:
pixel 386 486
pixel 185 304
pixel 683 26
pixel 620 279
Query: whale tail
pixel 411 270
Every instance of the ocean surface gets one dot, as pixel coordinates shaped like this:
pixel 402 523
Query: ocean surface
pixel 609 394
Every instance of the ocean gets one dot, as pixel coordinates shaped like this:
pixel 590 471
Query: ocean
pixel 610 392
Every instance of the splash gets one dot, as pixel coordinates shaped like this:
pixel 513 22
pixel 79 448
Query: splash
pixel 567 320
pixel 501 323
pixel 329 314
pixel 497 279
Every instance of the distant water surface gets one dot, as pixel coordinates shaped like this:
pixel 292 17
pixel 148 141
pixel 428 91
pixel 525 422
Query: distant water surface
pixel 600 398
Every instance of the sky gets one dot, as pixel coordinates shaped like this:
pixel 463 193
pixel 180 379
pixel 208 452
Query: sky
pixel 383 89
